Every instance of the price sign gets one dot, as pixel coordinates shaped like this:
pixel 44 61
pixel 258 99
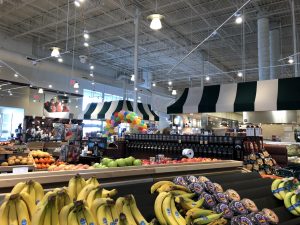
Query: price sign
pixel 20 170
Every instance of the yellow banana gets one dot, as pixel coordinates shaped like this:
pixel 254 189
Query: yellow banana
pixel 108 214
pixel 39 191
pixel 18 188
pixel 62 199
pixel 109 193
pixel 119 205
pixel 123 219
pixel 92 180
pixel 128 213
pixel 166 210
pixel 158 207
pixel 40 212
pixel 166 188
pixel 274 188
pixel 29 201
pixel 85 191
pixel 136 212
pixel 189 204
pixel 158 184
pixel 181 193
pixel 33 193
pixel 115 214
pixel 4 210
pixel 64 212
pixel 207 219
pixel 12 214
pixel 54 214
pixel 80 217
pixel 178 217
pixel 72 188
pixel 97 203
pixel 196 212
pixel 88 216
pixel 101 215
pixel 22 212
pixel 72 218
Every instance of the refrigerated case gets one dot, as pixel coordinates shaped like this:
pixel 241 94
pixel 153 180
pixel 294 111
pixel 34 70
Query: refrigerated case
pixel 10 118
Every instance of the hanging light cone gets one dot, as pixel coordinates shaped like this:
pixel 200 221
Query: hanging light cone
pixel 55 52
pixel 76 85
pixel 41 91
pixel 155 21
pixel 174 92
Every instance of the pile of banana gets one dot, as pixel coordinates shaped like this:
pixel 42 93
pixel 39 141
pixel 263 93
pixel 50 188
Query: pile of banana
pixel 170 194
pixel 288 190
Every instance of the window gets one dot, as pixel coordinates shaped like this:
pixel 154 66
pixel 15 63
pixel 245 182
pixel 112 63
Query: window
pixel 90 96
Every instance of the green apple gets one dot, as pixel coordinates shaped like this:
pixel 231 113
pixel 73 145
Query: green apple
pixel 106 161
pixel 96 165
pixel 128 161
pixel 137 162
pixel 121 162
pixel 112 164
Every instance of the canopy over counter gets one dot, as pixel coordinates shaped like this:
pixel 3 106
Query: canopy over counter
pixel 267 95
pixel 105 110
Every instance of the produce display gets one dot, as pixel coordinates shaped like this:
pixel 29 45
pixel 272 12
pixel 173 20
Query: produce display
pixel 18 160
pixel 261 162
pixel 288 190
pixel 183 160
pixel 192 200
pixel 42 159
pixel 59 166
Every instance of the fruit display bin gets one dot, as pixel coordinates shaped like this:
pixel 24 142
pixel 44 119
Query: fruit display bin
pixel 248 185
pixel 120 175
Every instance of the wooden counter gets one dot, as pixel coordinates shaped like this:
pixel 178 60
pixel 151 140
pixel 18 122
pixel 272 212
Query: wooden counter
pixel 108 175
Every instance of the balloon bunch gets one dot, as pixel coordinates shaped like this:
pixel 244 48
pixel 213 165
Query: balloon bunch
pixel 137 124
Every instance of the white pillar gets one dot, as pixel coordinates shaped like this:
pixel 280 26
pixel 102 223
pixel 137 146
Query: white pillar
pixel 274 53
pixel 263 46
pixel 294 38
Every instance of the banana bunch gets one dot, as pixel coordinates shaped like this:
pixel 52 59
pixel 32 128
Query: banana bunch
pixel 47 212
pixel 17 209
pixel 90 192
pixel 280 187
pixel 167 186
pixel 33 188
pixel 76 184
pixel 76 213
pixel 62 198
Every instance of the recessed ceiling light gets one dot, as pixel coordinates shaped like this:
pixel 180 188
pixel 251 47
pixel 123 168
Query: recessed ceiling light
pixel 76 85
pixel 139 97
pixel 238 18
pixel 50 85
pixel 135 89
pixel 207 78
pixel 93 83
pixel 86 44
pixel 170 83
pixel 10 93
pixel 76 106
pixel 65 95
pixel 77 3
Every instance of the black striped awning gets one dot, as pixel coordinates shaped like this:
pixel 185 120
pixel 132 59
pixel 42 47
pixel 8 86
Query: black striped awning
pixel 105 110
pixel 267 95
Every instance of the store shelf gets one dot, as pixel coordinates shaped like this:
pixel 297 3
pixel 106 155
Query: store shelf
pixel 55 178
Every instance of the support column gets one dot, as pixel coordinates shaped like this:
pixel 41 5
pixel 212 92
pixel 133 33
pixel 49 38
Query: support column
pixel 274 53
pixel 263 46
pixel 136 43
pixel 124 89
pixel 292 3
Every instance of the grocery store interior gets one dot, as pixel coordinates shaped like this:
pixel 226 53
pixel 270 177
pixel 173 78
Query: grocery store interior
pixel 166 112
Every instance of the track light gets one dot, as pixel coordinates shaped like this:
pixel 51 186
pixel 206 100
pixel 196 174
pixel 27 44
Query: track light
pixel 76 85
pixel 40 91
pixel 238 18
pixel 155 21
pixel 207 78
pixel 240 74
pixel 86 34
pixel 291 60
pixel 55 52
pixel 132 77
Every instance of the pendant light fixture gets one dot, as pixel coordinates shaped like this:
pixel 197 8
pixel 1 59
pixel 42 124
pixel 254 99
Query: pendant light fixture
pixel 238 18
pixel 207 78
pixel 86 34
pixel 55 52
pixel 77 3
pixel 291 60
pixel 170 83
pixel 132 77
pixel 60 60
pixel 240 74
pixel 41 91
pixel 155 19
pixel 174 92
